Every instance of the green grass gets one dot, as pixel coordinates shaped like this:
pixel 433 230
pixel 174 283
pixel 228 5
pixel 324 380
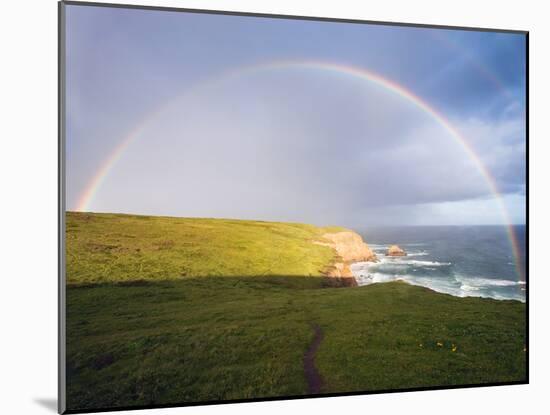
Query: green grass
pixel 115 247
pixel 206 339
pixel 158 314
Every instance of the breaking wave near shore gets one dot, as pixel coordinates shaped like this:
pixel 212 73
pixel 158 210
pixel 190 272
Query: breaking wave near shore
pixel 463 263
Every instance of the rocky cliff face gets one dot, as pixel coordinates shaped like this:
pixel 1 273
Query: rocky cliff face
pixel 349 246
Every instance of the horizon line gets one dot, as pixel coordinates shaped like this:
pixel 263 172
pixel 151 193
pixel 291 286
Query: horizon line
pixel 283 221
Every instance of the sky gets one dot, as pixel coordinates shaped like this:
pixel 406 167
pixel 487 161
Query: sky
pixel 198 115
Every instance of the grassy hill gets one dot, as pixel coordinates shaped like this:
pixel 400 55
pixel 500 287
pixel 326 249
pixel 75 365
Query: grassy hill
pixel 115 247
pixel 165 337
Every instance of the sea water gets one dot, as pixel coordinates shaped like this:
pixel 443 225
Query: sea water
pixel 458 260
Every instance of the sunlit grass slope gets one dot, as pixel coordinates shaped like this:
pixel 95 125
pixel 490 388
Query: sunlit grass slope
pixel 115 247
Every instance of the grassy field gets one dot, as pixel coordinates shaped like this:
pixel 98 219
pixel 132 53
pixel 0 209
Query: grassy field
pixel 153 340
pixel 114 247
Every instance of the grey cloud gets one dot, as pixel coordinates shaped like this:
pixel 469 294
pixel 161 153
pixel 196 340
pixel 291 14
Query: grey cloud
pixel 321 150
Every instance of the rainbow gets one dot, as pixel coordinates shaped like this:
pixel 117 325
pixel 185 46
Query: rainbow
pixel 99 177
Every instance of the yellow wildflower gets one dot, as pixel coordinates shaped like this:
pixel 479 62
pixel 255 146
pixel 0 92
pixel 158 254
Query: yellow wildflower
pixel 439 344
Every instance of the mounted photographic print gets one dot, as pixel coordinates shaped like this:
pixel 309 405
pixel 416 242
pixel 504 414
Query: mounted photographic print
pixel 258 207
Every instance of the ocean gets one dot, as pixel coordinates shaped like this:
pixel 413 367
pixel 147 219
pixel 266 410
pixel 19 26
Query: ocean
pixel 458 260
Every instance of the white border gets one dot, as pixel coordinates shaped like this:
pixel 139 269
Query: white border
pixel 28 174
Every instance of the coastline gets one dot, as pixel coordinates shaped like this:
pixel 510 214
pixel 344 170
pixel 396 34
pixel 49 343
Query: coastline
pixel 165 289
pixel 357 264
pixel 151 248
pixel 349 249
pixel 364 275
pixel 462 261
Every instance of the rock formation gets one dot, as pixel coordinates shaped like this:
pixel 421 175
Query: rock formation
pixel 340 275
pixel 395 250
pixel 340 269
pixel 349 248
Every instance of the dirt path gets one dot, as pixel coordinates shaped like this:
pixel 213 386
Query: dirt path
pixel 313 377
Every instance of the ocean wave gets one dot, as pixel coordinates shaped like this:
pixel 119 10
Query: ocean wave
pixel 382 252
pixel 400 261
pixel 466 287
pixel 439 285
pixel 457 285
pixel 480 282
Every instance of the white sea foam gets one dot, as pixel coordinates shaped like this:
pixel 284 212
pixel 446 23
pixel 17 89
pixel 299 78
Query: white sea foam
pixel 480 282
pixel 457 285
pixel 466 287
pixel 403 262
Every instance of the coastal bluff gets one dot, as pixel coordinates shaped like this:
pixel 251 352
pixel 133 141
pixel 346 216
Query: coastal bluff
pixel 349 247
pixel 150 248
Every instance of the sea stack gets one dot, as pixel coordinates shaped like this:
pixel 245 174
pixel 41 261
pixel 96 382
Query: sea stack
pixel 395 250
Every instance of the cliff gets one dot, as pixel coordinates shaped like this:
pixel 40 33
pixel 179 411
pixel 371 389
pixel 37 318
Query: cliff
pixel 349 247
pixel 149 248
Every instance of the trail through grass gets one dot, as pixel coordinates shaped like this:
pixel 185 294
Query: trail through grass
pixel 169 310
pixel 206 339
